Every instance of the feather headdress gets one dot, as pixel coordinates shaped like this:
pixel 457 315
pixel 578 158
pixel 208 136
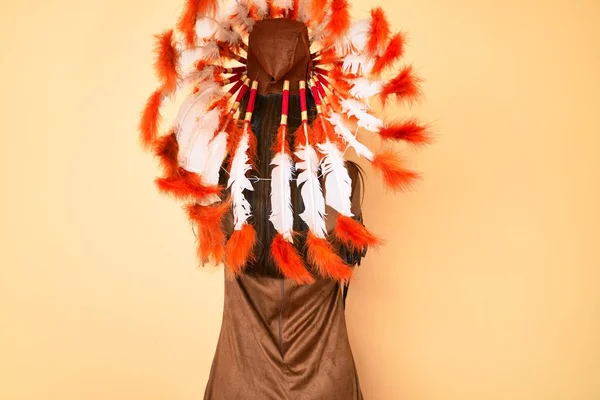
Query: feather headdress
pixel 209 55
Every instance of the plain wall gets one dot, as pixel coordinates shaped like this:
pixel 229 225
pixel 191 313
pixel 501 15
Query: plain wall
pixel 487 288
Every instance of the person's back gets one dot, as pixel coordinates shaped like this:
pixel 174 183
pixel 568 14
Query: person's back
pixel 263 169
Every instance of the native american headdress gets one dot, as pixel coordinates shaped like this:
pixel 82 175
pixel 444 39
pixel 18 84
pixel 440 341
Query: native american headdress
pixel 215 58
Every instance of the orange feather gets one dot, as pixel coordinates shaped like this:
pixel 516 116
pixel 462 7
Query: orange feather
pixel 185 185
pixel 148 126
pixel 294 11
pixel 340 80
pixel 392 53
pixel 410 131
pixel 354 234
pixel 234 134
pixel 328 56
pixel 222 103
pixel 281 140
pixel 322 255
pixel 405 86
pixel 239 250
pixel 187 20
pixel 167 60
pixel 318 10
pixel 339 23
pixel 392 170
pixel 300 137
pixel 319 132
pixel 289 261
pixel 166 149
pixel 379 31
pixel 335 102
pixel 208 219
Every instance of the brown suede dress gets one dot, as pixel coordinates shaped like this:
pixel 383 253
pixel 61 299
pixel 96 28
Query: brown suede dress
pixel 280 340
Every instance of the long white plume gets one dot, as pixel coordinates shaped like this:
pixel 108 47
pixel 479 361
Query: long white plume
pixel 217 150
pixel 310 191
pixel 359 110
pixel 194 107
pixel 238 182
pixel 364 88
pixel 344 132
pixel 281 198
pixel 193 154
pixel 338 185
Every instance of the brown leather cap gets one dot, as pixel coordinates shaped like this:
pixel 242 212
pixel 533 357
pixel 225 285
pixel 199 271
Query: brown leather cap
pixel 278 50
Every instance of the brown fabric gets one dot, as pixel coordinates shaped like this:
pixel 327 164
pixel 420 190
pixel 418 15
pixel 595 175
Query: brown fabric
pixel 282 341
pixel 278 50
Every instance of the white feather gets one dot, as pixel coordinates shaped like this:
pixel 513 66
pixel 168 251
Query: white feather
pixel 193 154
pixel 208 52
pixel 238 15
pixel 364 88
pixel 304 10
pixel 284 4
pixel 281 198
pixel 359 34
pixel 357 64
pixel 261 7
pixel 355 41
pixel 207 28
pixel 318 32
pixel 217 149
pixel 238 182
pixel 228 34
pixel 338 184
pixel 359 110
pixel 189 57
pixel 195 76
pixel 310 191
pixel 192 109
pixel 344 132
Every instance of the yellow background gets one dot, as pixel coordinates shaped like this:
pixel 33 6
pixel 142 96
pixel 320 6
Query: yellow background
pixel 486 290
